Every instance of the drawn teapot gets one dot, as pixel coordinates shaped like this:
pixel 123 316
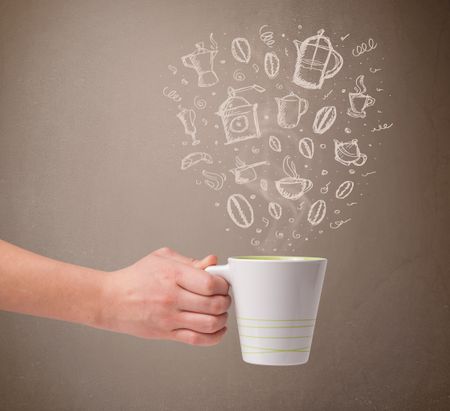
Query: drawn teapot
pixel 316 61
pixel 348 153
pixel 202 61
pixel 290 108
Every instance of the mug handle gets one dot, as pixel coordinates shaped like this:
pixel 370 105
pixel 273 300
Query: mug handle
pixel 363 157
pixel 370 101
pixel 220 270
pixel 337 65
pixel 305 104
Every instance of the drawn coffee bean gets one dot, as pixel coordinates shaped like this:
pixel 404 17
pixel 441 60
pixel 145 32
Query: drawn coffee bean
pixel 306 147
pixel 317 212
pixel 271 64
pixel 324 119
pixel 275 210
pixel 344 189
pixel 274 144
pixel 240 48
pixel 240 210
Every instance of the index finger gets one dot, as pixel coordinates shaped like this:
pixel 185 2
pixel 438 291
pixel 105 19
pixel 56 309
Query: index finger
pixel 200 282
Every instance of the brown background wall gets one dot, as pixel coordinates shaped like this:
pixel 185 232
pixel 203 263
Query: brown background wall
pixel 87 166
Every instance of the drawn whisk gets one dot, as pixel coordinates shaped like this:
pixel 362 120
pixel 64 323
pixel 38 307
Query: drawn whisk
pixel 266 36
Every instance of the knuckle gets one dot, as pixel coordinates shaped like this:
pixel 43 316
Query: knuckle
pixel 193 339
pixel 210 284
pixel 212 323
pixel 164 251
pixel 219 305
pixel 167 299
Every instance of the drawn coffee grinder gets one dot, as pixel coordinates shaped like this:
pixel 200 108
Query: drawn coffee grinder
pixel 202 61
pixel 358 100
pixel 239 117
pixel 316 61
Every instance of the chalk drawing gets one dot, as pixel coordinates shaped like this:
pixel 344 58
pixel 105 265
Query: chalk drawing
pixel 296 235
pixel 358 100
pixel 194 158
pixel 171 94
pixel 344 189
pixel 263 184
pixel 351 204
pixel 213 180
pixel 240 211
pixel 199 103
pixel 275 210
pixel 240 49
pixel 173 69
pixel 184 81
pixel 324 172
pixel 238 75
pixel 368 174
pixel 293 186
pixel 336 224
pixel 279 86
pixel 271 65
pixel 279 235
pixel 327 95
pixel 382 127
pixel 348 153
pixel 187 118
pixel 344 37
pixel 290 108
pixel 202 61
pixel 374 70
pixel 254 242
pixel 324 189
pixel 266 36
pixel 255 150
pixel 265 221
pixel 239 117
pixel 245 173
pixel 275 144
pixel 364 47
pixel 255 67
pixel 316 61
pixel 306 147
pixel 317 212
pixel 325 118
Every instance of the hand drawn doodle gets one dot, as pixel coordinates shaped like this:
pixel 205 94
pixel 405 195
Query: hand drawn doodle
pixel 291 219
pixel 194 158
pixel 240 210
pixel 271 65
pixel 296 235
pixel 374 70
pixel 344 37
pixel 279 235
pixel 324 172
pixel 316 61
pixel 255 150
pixel 344 189
pixel 317 212
pixel 348 153
pixel 187 118
pixel 336 224
pixel 324 119
pixel 263 184
pixel 279 86
pixel 290 108
pixel 171 94
pixel 258 231
pixel 204 121
pixel 238 75
pixel 368 174
pixel 337 211
pixel 351 204
pixel 293 186
pixel 254 242
pixel 324 189
pixel 275 210
pixel 382 127
pixel 199 103
pixel 202 61
pixel 306 147
pixel 173 69
pixel 359 101
pixel 240 49
pixel 364 47
pixel 286 51
pixel 214 180
pixel 266 36
pixel 265 221
pixel 184 81
pixel 327 95
pixel 245 173
pixel 300 206
pixel 239 117
pixel 275 144
pixel 379 89
pixel 255 67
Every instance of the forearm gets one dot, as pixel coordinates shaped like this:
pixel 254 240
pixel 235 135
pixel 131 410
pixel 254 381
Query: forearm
pixel 37 285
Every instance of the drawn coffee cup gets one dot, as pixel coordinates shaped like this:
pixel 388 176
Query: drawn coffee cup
pixel 348 153
pixel 293 186
pixel 290 109
pixel 359 100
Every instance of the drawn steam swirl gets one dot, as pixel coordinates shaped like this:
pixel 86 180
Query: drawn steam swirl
pixel 238 75
pixel 266 36
pixel 199 103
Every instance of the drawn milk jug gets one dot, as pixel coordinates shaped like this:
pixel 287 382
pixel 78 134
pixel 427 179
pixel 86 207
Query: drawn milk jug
pixel 202 61
pixel 290 109
pixel 316 61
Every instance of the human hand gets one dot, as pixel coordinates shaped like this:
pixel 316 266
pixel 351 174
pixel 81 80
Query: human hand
pixel 167 296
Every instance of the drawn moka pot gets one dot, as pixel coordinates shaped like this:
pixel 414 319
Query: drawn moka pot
pixel 239 116
pixel 348 153
pixel 316 61
pixel 202 61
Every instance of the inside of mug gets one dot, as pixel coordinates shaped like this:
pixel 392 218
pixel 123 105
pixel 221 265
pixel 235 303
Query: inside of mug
pixel 277 258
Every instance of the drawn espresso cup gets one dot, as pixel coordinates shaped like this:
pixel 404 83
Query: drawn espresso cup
pixel 276 301
pixel 358 104
pixel 290 109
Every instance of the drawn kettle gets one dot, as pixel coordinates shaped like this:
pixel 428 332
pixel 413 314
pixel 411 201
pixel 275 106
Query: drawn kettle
pixel 316 61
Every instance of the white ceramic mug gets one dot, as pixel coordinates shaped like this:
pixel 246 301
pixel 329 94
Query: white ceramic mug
pixel 276 301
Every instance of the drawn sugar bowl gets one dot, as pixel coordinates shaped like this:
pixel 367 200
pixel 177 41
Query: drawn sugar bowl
pixel 348 153
pixel 290 109
pixel 239 117
pixel 202 61
pixel 316 61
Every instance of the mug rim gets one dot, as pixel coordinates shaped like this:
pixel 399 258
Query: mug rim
pixel 277 258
